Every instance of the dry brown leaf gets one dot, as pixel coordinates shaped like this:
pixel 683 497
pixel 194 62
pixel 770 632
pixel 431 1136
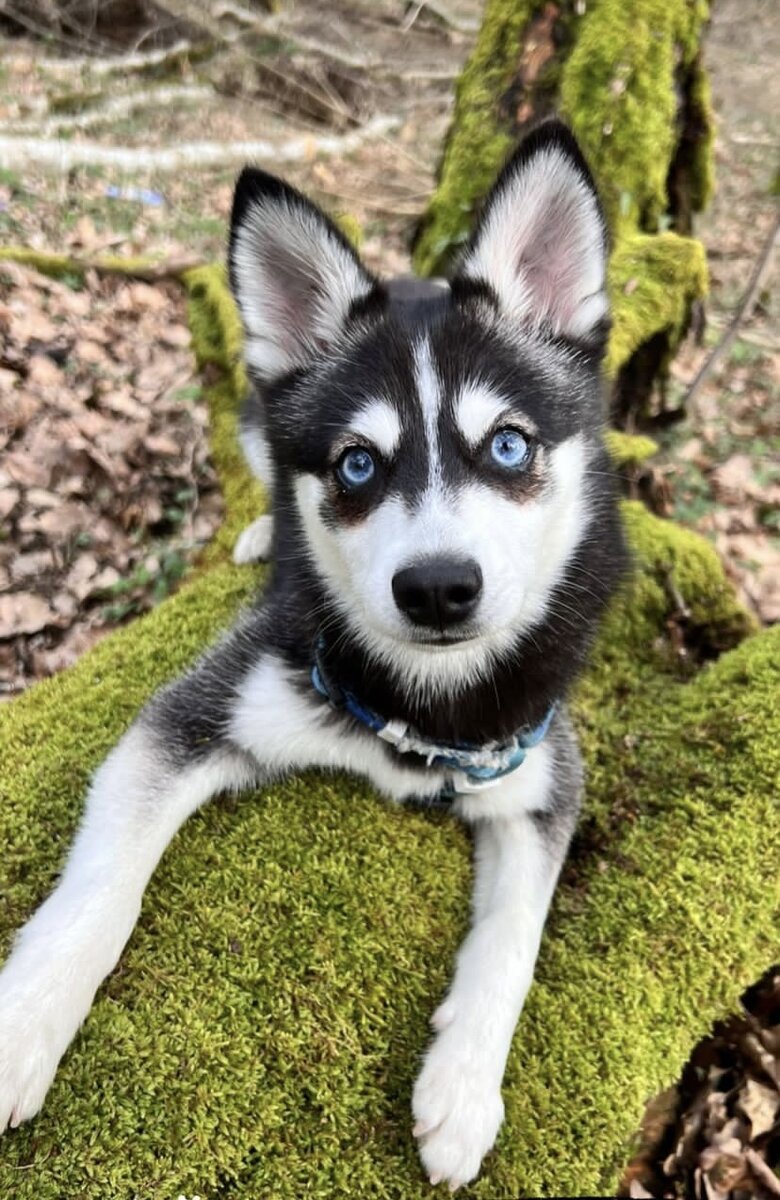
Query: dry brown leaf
pixel 760 1105
pixel 763 1172
pixel 105 579
pixel 63 522
pixel 74 642
pixel 161 444
pixel 32 325
pixel 66 606
pixel 90 352
pixel 19 407
pixel 122 403
pixel 43 373
pixel 31 565
pixel 175 335
pixel 143 296
pixel 81 576
pixel 734 480
pixel 23 468
pixel 42 498
pixel 754 548
pixel 23 612
pixel 9 498
pixel 767 595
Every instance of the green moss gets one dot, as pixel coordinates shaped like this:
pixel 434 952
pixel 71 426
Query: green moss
pixel 619 93
pixel 262 1032
pixel 629 449
pixel 653 279
pixel 58 265
pixel 618 75
pixel 478 142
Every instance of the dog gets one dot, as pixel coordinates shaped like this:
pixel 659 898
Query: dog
pixel 445 538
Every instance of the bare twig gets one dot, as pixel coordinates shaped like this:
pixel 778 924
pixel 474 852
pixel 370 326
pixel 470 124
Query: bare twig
pixel 746 306
pixel 111 109
pixel 121 63
pixel 459 24
pixel 20 151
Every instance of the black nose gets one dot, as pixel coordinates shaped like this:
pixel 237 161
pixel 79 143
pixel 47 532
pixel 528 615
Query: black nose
pixel 438 591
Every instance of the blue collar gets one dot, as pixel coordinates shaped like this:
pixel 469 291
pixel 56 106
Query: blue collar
pixel 474 768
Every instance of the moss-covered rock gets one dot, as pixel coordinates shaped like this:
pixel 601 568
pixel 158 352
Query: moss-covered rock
pixel 262 1031
pixel 628 78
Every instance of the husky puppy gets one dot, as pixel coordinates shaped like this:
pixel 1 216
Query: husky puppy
pixel 445 538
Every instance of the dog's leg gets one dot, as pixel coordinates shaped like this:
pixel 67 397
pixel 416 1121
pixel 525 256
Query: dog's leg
pixel 138 799
pixel 457 1101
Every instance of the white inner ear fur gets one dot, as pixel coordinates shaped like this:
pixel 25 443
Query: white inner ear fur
pixel 378 422
pixel 542 247
pixel 295 283
pixel 477 410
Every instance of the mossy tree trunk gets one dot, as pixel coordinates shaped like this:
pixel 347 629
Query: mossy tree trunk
pixel 627 76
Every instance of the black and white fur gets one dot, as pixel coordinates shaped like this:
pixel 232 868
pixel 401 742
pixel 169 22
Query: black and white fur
pixel 421 377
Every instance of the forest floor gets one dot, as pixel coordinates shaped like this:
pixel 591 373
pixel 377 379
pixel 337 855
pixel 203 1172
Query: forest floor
pixel 106 491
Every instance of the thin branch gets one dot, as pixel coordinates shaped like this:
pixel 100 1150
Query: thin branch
pixel 111 109
pixel 16 152
pixel 136 61
pixel 746 306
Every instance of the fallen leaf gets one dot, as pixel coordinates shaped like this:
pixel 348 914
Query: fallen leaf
pixel 9 498
pixel 734 480
pixel 80 578
pixel 160 444
pixel 31 565
pixel 760 1105
pixel 23 612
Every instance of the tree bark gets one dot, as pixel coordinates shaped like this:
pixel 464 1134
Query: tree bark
pixel 627 76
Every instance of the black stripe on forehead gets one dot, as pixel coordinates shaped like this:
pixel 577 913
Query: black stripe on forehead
pixel 538 379
pixel 407 301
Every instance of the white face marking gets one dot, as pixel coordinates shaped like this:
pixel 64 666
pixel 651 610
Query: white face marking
pixel 477 411
pixel 522 550
pixel 429 393
pixel 379 424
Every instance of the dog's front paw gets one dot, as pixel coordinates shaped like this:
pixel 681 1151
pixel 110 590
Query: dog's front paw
pixel 254 543
pixel 457 1107
pixel 29 1053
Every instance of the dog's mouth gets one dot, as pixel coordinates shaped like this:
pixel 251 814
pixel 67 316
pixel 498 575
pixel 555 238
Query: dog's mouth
pixel 445 640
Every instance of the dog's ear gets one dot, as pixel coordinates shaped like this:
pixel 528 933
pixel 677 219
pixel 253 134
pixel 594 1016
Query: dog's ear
pixel 293 274
pixel 541 242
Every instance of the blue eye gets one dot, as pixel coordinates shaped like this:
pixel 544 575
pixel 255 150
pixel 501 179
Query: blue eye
pixel 355 468
pixel 509 449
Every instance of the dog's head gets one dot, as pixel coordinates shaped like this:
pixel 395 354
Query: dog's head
pixel 441 446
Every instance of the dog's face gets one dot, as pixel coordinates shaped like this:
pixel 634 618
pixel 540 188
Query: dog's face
pixel 437 441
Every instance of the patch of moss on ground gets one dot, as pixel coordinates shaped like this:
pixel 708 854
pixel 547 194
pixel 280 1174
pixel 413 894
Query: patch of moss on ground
pixel 262 1032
